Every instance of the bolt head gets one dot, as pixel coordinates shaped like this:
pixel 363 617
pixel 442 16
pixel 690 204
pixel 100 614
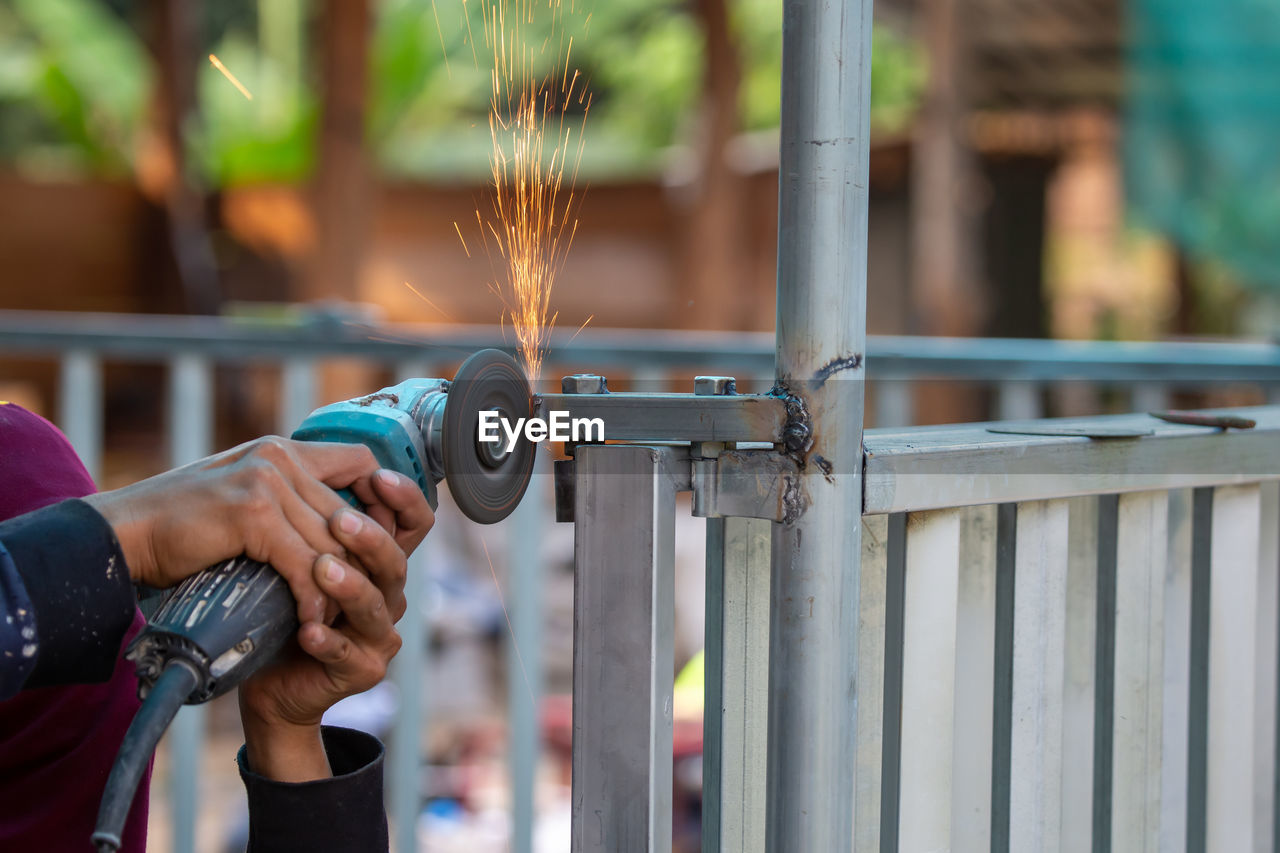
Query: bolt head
pixel 584 383
pixel 714 386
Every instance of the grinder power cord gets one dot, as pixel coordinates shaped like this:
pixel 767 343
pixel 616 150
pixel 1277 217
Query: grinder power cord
pixel 220 626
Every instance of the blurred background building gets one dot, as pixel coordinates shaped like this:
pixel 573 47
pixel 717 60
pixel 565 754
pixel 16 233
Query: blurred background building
pixel 1086 169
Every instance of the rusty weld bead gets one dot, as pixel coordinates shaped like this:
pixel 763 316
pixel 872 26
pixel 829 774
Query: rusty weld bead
pixel 714 386
pixel 584 383
pixel 796 436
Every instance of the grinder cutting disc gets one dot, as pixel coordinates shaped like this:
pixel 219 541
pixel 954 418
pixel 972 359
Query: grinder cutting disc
pixel 486 483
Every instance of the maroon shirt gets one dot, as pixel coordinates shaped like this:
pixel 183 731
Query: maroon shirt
pixel 57 744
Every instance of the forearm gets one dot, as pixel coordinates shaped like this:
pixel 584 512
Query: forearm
pixel 284 753
pixel 67 567
pixel 341 813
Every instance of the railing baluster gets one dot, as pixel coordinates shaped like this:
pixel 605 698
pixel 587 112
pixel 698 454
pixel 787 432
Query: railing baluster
pixel 1018 400
pixel 928 680
pixel 736 706
pixel 893 404
pixel 1079 675
pixel 404 760
pixel 80 406
pixel 974 682
pixel 871 658
pixel 624 602
pixel 1150 396
pixel 298 381
pixel 526 584
pixel 1177 674
pixel 190 438
pixel 1039 635
pixel 1233 599
pixel 1268 645
pixel 1137 722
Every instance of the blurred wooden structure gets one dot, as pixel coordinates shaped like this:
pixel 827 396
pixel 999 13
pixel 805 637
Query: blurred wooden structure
pixel 957 209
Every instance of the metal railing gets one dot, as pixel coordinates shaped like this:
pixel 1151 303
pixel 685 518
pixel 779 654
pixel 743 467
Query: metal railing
pixel 1067 638
pixel 1070 642
pixel 914 481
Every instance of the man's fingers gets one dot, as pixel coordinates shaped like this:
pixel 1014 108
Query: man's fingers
pixel 336 465
pixel 413 514
pixel 377 553
pixel 270 538
pixel 325 644
pixel 363 606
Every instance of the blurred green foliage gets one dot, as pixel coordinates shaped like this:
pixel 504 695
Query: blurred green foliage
pixel 74 79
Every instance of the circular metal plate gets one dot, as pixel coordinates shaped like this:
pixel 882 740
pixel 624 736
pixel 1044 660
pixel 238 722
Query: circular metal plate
pixel 486 485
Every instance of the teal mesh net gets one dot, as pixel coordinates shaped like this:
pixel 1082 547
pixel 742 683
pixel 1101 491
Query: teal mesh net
pixel 1202 129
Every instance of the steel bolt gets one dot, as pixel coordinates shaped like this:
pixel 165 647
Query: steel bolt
pixel 584 383
pixel 714 386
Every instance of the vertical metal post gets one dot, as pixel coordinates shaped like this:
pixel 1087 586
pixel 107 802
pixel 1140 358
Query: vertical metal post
pixel 623 655
pixel 1018 400
pixel 822 269
pixel 404 762
pixel 298 392
pixel 80 406
pixel 190 438
pixel 524 651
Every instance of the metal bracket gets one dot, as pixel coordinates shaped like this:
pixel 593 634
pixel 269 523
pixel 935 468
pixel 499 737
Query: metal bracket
pixel 744 484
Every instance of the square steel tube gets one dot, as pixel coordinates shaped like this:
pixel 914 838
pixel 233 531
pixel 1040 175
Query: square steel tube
pixel 676 417
pixel 623 655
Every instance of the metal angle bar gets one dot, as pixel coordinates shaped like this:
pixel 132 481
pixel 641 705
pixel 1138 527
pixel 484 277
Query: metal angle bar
pixel 745 484
pixel 939 467
pixel 676 417
pixel 623 660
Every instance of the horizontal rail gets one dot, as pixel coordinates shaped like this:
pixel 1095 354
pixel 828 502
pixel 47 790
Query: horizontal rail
pixel 923 468
pixel 677 417
pixel 889 357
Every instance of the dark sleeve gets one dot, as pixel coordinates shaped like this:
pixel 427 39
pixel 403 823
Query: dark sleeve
pixel 17 629
pixel 68 571
pixel 340 814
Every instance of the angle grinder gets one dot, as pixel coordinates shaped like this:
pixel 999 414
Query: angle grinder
pixel 218 627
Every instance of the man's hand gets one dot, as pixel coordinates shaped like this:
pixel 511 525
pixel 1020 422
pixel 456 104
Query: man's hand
pixel 281 706
pixel 271 499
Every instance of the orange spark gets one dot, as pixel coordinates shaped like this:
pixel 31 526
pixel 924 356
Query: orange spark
pixel 460 237
pixel 532 222
pixel 507 616
pixel 217 63
pixel 423 297
pixel 580 328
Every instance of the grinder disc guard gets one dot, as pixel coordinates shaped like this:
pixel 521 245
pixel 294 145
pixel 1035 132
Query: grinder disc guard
pixel 486 484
